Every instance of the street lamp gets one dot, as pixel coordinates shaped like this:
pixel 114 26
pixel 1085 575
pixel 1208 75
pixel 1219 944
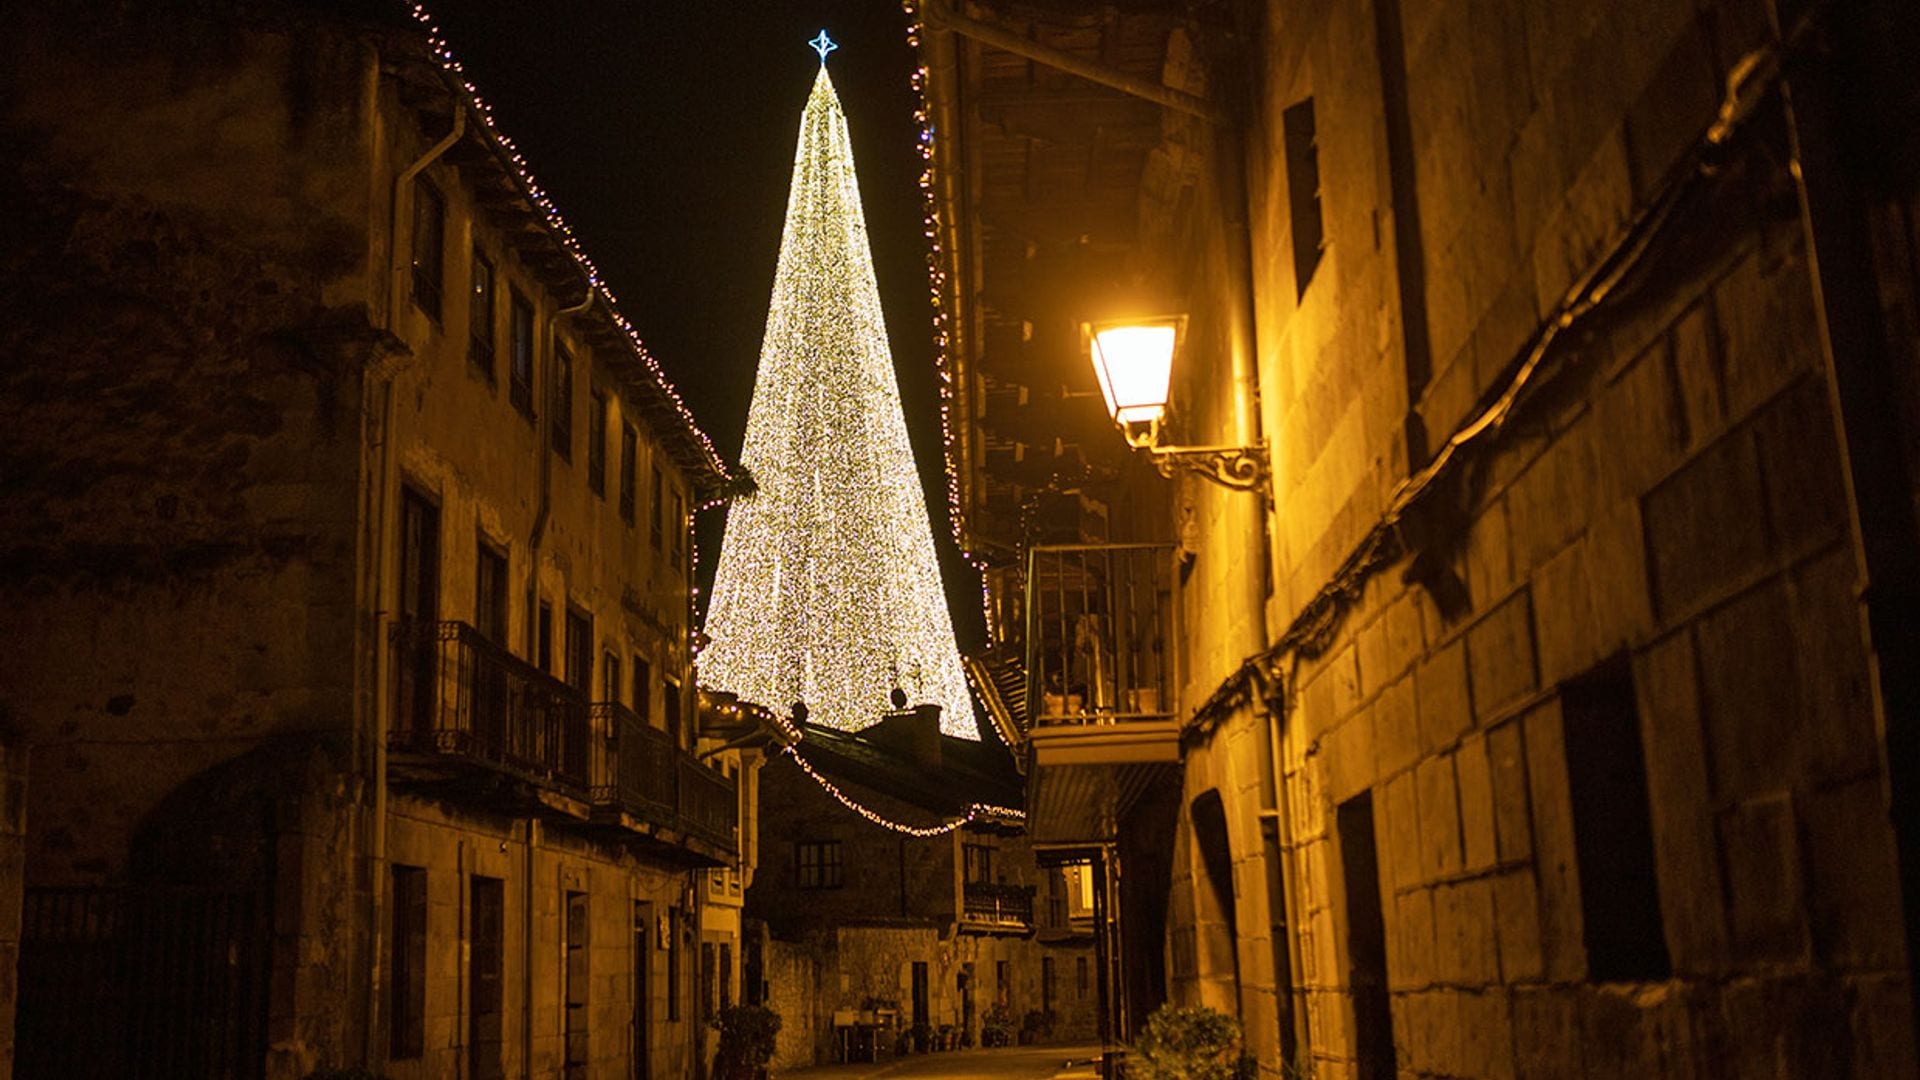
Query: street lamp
pixel 1134 362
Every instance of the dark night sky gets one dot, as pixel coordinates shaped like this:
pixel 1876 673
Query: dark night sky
pixel 665 133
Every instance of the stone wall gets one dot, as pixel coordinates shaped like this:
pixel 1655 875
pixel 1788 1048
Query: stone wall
pixel 1663 526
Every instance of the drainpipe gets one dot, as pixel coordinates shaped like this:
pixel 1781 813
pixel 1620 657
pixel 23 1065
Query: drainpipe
pixel 376 554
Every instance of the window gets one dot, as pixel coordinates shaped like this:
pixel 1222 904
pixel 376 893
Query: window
pixel 480 315
pixel 429 245
pixel 490 593
pixel 679 527
pixel 610 680
pixel 543 649
pixel 1366 939
pixel 817 864
pixel 979 864
pixel 1612 828
pixel 629 458
pixel 726 974
pixel 1002 982
pixel 655 506
pixel 486 1025
pixel 574 983
pixel 562 406
pixel 520 341
pixel 419 557
pixel 407 966
pixel 597 444
pixel 670 704
pixel 922 1011
pixel 1303 191
pixel 579 651
pixel 642 687
pixel 709 982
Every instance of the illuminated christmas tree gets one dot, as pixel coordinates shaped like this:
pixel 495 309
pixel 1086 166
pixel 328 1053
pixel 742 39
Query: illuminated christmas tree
pixel 827 590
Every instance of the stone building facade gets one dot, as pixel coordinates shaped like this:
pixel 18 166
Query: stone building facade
pixel 936 931
pixel 347 542
pixel 1545 711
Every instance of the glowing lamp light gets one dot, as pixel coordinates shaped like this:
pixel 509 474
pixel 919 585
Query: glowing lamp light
pixel 1135 365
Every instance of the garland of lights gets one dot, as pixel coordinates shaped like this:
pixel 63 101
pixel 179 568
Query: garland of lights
pixel 975 812
pixel 936 284
pixel 828 589
pixel 478 107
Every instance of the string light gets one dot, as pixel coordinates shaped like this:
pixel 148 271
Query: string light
pixel 479 109
pixel 975 812
pixel 828 590
pixel 936 286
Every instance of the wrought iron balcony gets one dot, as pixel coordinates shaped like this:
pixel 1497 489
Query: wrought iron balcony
pixel 634 768
pixel 638 771
pixel 1001 907
pixel 709 804
pixel 458 695
pixel 1099 627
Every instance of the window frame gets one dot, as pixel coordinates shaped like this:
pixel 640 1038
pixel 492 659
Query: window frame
pixel 597 405
pixel 482 300
pixel 560 424
pixel 629 466
pixel 818 864
pixel 521 347
pixel 429 276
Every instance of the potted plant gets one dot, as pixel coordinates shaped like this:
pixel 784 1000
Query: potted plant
pixel 1190 1043
pixel 747 1041
pixel 996 1027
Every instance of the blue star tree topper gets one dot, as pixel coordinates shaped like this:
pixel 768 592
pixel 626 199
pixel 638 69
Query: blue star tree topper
pixel 823 45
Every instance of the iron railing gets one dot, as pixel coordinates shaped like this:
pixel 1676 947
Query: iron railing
pixel 638 770
pixel 1000 905
pixel 709 803
pixel 458 694
pixel 635 768
pixel 143 982
pixel 1099 633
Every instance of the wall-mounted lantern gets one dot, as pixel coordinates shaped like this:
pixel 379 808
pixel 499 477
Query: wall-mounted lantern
pixel 1134 362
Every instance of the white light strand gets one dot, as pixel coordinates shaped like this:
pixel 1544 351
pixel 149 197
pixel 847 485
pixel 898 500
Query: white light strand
pixel 828 590
pixel 437 43
pixel 936 284
pixel 975 812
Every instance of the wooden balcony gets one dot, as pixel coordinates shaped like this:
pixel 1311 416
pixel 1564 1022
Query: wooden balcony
pixel 996 909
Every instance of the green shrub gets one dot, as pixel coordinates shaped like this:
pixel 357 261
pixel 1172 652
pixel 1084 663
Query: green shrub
pixel 1190 1043
pixel 747 1041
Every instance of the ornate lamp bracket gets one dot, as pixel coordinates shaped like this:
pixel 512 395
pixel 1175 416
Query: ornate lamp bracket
pixel 1241 468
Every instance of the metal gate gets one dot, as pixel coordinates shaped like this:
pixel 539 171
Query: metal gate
pixel 142 982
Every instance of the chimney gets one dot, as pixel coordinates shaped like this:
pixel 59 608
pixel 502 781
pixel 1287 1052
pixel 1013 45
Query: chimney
pixel 914 732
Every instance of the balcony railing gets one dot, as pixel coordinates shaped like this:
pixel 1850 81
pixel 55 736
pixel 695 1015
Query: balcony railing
pixel 998 905
pixel 1099 633
pixel 709 803
pixel 458 694
pixel 639 771
pixel 635 766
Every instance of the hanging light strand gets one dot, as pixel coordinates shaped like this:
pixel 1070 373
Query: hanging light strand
pixel 443 54
pixel 975 812
pixel 936 287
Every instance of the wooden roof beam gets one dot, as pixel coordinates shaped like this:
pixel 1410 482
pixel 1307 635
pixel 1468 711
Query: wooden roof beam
pixel 941 15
